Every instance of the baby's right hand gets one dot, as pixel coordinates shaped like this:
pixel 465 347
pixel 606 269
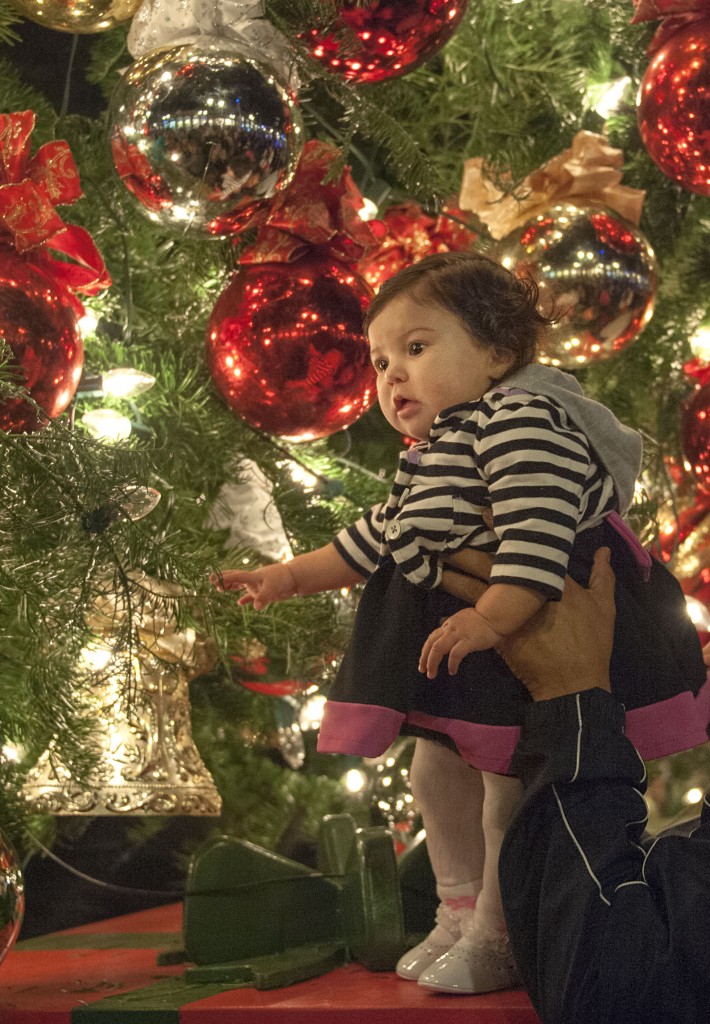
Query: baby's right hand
pixel 263 586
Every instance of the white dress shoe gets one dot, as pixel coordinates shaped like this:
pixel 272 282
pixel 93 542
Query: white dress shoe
pixel 439 941
pixel 472 966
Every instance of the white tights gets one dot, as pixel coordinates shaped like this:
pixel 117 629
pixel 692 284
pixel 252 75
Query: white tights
pixel 465 813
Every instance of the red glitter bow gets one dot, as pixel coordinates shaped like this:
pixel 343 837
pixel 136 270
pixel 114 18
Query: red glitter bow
pixel 310 214
pixel 30 188
pixel 411 235
pixel 676 14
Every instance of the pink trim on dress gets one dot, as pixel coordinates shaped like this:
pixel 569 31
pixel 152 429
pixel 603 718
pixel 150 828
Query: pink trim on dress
pixel 488 747
pixel 669 726
pixel 702 701
pixel 659 729
pixel 643 558
pixel 363 729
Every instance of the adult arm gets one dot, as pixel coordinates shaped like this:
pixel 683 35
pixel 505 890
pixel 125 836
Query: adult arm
pixel 603 932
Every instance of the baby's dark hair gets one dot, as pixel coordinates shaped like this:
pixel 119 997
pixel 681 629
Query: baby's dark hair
pixel 497 308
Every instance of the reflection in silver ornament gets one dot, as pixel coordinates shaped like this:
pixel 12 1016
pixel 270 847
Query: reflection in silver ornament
pixel 595 271
pixel 12 896
pixel 290 744
pixel 391 796
pixel 203 136
pixel 146 759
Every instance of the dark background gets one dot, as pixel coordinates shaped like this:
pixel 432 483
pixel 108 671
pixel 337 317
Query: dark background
pixel 43 58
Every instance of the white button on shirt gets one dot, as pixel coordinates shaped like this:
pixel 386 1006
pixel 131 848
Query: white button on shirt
pixel 393 530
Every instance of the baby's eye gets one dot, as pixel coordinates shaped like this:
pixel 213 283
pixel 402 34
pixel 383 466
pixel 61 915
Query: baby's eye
pixel 380 365
pixel 415 348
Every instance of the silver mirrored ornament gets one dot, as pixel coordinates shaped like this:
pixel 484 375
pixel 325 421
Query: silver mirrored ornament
pixel 203 136
pixel 595 271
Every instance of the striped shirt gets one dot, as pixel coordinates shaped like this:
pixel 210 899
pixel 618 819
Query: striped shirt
pixel 513 452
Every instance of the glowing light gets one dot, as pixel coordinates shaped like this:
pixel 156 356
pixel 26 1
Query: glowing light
pixel 698 612
pixel 606 98
pixel 96 657
pixel 88 322
pixel 693 796
pixel 354 780
pixel 311 713
pixel 125 382
pixel 368 210
pixel 107 425
pixel 300 475
pixel 700 343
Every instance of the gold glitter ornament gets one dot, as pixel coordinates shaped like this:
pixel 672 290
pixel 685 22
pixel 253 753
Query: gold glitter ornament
pixel 596 273
pixel 146 759
pixel 77 16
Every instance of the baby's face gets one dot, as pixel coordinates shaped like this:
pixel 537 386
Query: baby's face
pixel 426 360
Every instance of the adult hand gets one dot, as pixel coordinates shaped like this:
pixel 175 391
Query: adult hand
pixel 566 646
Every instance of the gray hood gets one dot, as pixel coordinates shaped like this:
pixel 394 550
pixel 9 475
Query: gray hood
pixel 617 447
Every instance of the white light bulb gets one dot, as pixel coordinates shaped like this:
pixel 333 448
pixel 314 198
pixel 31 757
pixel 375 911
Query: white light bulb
pixel 368 210
pixel 606 98
pixel 107 425
pixel 693 796
pixel 700 343
pixel 354 780
pixel 698 612
pixel 125 382
pixel 96 657
pixel 311 713
pixel 88 322
pixel 11 752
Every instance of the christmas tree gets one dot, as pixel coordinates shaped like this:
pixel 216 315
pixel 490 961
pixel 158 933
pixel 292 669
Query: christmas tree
pixel 144 483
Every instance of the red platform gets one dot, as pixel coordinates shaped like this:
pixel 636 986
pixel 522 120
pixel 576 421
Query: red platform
pixel 107 973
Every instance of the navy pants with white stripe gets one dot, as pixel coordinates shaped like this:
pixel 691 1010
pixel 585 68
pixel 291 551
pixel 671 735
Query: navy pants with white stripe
pixel 604 930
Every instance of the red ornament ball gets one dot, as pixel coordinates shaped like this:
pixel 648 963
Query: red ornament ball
pixel 38 323
pixel 695 436
pixel 386 38
pixel 286 350
pixel 674 108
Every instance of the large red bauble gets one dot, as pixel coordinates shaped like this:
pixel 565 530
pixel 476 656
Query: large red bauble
pixel 392 36
pixel 286 350
pixel 38 323
pixel 674 107
pixel 695 436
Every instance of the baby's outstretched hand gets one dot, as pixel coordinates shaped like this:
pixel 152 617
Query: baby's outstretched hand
pixel 262 586
pixel 459 635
